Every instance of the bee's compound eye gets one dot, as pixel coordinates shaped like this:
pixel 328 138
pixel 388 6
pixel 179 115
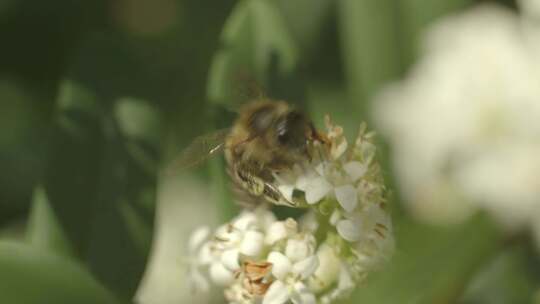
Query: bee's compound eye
pixel 290 130
pixel 261 119
pixel 283 136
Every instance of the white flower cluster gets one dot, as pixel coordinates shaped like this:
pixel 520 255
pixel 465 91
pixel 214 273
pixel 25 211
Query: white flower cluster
pixel 345 232
pixel 344 181
pixel 464 125
pixel 257 258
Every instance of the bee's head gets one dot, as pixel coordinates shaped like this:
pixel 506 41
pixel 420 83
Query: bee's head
pixel 284 130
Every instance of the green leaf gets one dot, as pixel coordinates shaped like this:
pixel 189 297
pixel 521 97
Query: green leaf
pixel 431 265
pixel 307 20
pixel 137 227
pixel 256 43
pixel 73 97
pixel 323 98
pixel 89 178
pixel 44 231
pixel 370 49
pixel 30 276
pixel 138 119
pixel 75 103
pixel 139 123
pixel 511 277
pixel 24 123
pixel 221 186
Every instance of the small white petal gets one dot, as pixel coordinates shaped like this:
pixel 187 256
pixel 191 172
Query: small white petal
pixel 291 225
pixel 229 259
pixel 302 182
pixel 283 178
pixel 197 238
pixel 309 222
pixel 297 250
pixel 338 150
pixel 347 197
pixel 355 169
pixel 277 293
pixel 377 214
pixel 199 281
pixel 349 230
pixel 320 169
pixel 252 243
pixel 286 191
pixel 245 220
pixel 265 218
pixel 221 275
pixel 316 189
pixel 277 231
pixel 205 256
pixel 345 280
pixel 228 235
pixel 281 265
pixel 222 231
pixel 302 295
pixel 306 267
pixel 328 271
pixel 335 217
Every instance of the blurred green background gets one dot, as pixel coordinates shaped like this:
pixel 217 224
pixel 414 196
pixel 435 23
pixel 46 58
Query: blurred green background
pixel 97 96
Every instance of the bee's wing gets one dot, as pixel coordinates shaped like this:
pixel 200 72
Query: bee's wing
pixel 200 149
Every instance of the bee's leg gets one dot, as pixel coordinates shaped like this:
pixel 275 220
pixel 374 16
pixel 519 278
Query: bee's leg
pixel 258 187
pixel 250 182
pixel 274 195
pixel 307 153
pixel 316 135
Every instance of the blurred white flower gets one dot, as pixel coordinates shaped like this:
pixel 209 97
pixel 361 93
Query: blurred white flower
pixel 464 124
pixel 165 280
pixel 530 8
pixel 196 243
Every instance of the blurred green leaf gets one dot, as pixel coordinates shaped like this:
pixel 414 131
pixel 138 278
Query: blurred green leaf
pixel 307 20
pixel 228 208
pixel 431 265
pixel 90 178
pixel 255 41
pixel 76 105
pixel 138 119
pixel 43 231
pixel 139 123
pixel 24 126
pixel 511 277
pixel 74 97
pixel 17 118
pixel 138 228
pixel 323 98
pixel 369 38
pixel 15 231
pixel 31 276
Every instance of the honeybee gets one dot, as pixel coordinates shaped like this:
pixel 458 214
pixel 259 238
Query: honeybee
pixel 267 137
